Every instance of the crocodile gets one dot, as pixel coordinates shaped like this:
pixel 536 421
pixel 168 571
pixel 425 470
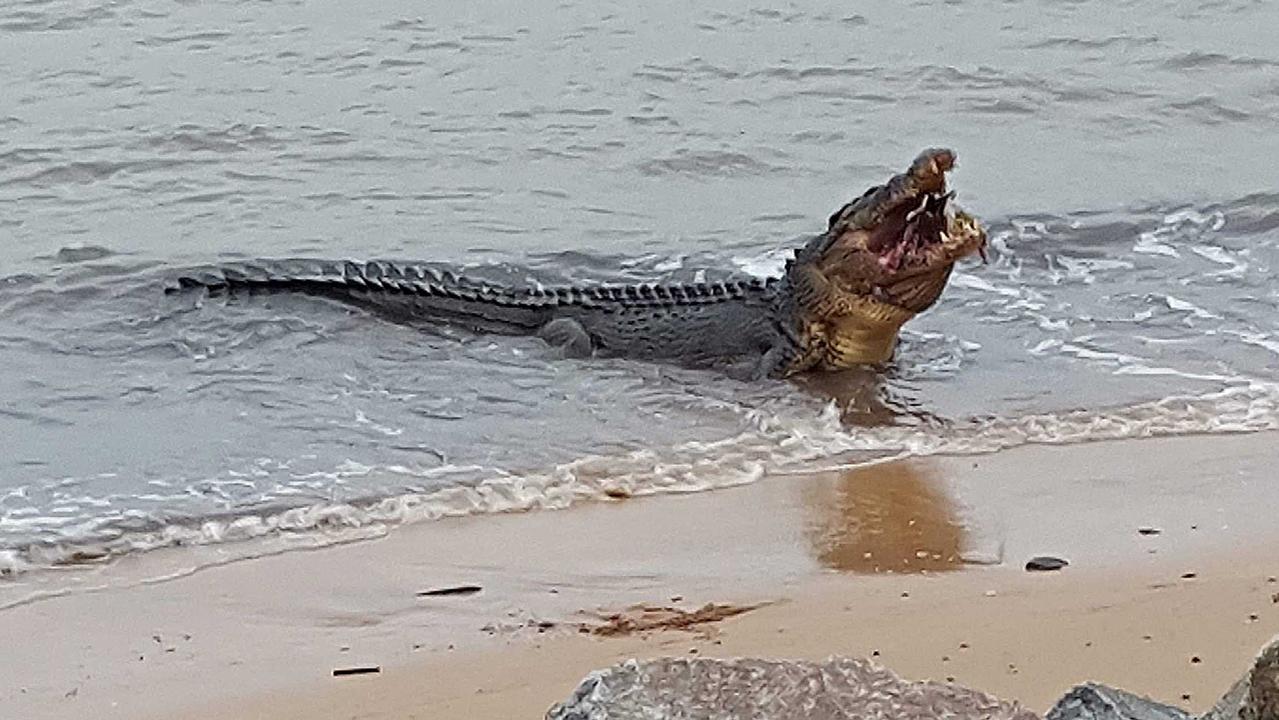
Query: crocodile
pixel 885 257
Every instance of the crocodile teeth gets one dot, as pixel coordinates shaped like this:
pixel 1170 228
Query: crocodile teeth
pixel 923 203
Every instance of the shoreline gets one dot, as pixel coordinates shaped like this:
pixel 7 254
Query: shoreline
pixel 876 559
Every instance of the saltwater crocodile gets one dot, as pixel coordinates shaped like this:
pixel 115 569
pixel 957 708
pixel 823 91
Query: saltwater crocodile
pixel 885 257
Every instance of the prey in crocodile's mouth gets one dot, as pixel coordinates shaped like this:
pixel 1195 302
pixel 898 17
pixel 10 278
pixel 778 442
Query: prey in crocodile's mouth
pixel 898 242
pixel 918 237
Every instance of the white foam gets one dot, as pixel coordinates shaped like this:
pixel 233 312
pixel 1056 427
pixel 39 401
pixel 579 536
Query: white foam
pixel 1180 305
pixel 767 264
pixel 774 444
pixel 1150 243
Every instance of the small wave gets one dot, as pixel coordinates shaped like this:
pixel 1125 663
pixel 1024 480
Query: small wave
pixel 72 172
pixel 705 163
pixel 999 107
pixel 52 21
pixel 1094 43
pixel 1207 111
pixel 1254 214
pixel 200 38
pixel 72 254
pixel 1197 60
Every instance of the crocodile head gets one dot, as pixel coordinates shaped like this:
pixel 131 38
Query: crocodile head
pixel 884 258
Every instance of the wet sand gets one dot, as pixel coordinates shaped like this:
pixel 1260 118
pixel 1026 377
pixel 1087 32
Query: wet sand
pixel 918 564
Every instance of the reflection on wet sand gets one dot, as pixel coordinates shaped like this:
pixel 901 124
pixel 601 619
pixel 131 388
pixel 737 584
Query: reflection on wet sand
pixel 864 399
pixel 894 517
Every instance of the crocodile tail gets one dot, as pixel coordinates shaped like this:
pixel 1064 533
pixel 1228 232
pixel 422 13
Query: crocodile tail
pixel 402 291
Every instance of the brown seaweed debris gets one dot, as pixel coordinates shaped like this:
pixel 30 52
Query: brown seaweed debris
pixel 647 618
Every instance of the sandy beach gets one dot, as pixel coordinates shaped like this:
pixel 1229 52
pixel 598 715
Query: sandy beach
pixel 392 360
pixel 918 564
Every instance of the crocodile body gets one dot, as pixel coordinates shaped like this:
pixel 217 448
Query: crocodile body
pixel 840 302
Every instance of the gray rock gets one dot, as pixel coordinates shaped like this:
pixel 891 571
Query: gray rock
pixel 752 689
pixel 1046 563
pixel 847 689
pixel 1256 695
pixel 1098 702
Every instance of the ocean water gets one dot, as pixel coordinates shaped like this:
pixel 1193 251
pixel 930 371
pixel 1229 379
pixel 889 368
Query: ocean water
pixel 1121 153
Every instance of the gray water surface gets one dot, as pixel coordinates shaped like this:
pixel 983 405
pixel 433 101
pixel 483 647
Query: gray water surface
pixel 1122 155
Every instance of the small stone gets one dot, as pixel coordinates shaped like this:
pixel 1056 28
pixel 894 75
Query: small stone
pixel 905 595
pixel 963 646
pixel 1185 697
pixel 1045 563
pixel 1253 617
pixel 990 593
pixel 1189 576
pixel 1194 660
pixel 1148 531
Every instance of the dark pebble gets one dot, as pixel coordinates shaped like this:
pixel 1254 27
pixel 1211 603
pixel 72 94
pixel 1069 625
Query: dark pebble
pixel 1045 563
pixel 1148 531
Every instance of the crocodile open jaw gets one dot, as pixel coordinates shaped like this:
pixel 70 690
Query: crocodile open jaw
pixel 898 241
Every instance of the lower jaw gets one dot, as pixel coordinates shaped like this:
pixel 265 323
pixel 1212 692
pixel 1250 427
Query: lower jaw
pixel 917 292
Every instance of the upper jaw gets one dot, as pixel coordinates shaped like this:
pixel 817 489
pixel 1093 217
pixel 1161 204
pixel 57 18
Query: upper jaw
pixel 907 227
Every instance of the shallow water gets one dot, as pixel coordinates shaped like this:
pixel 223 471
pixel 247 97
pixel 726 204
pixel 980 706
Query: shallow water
pixel 1119 152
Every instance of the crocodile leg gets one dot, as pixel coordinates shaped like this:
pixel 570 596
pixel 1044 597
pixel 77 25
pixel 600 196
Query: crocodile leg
pixel 568 336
